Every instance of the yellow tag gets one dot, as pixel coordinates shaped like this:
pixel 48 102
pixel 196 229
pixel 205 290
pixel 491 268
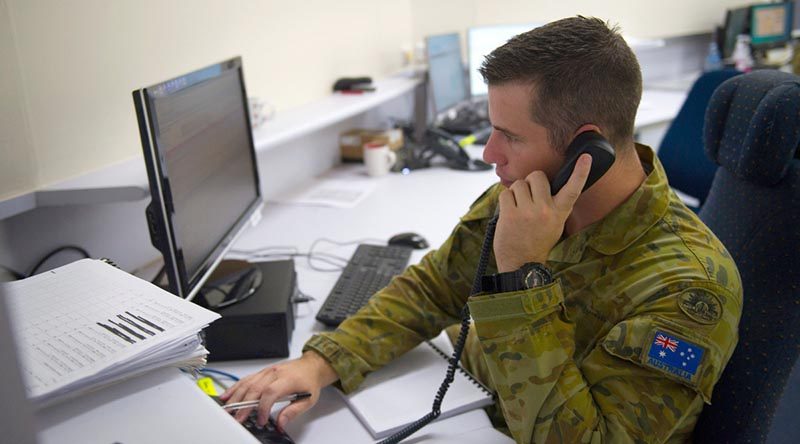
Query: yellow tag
pixel 467 141
pixel 206 384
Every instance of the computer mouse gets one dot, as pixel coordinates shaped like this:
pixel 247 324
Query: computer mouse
pixel 412 240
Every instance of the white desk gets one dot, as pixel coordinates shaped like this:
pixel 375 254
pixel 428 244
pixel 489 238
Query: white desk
pixel 165 407
pixel 157 407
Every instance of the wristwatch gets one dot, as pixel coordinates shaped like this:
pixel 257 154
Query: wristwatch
pixel 530 275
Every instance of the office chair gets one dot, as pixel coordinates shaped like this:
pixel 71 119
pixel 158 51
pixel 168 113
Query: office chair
pixel 752 131
pixel 681 150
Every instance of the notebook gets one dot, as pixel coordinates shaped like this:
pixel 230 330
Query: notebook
pixel 403 391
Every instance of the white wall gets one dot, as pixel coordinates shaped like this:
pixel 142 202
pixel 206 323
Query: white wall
pixel 637 18
pixel 68 67
pixel 78 62
pixel 18 168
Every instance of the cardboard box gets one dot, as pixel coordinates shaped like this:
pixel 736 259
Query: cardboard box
pixel 351 142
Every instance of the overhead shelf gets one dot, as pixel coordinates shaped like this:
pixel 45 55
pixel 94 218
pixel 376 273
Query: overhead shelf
pixel 126 181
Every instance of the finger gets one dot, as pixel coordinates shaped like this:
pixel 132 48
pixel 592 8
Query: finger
pixel 229 391
pixel 236 387
pixel 539 186
pixel 278 389
pixel 292 410
pixel 566 198
pixel 242 414
pixel 507 200
pixel 235 393
pixel 522 194
pixel 251 388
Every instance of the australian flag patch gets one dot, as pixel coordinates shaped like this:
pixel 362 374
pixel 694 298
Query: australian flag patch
pixel 674 355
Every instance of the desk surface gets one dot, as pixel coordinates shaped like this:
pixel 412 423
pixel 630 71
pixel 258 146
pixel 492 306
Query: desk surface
pixel 425 201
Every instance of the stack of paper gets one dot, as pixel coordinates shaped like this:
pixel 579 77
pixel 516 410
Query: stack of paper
pixel 88 324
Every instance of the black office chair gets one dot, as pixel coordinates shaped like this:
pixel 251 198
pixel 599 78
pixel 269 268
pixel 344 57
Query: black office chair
pixel 681 150
pixel 752 131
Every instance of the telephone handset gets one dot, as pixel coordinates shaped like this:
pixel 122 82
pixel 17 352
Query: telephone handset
pixel 603 157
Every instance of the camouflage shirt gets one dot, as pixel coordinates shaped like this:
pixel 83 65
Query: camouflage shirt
pixel 625 346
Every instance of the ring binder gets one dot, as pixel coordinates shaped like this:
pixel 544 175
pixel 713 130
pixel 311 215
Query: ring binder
pixel 461 369
pixel 408 382
pixel 109 262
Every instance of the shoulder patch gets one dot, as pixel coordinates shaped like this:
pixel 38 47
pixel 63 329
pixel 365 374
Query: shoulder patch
pixel 700 305
pixel 674 354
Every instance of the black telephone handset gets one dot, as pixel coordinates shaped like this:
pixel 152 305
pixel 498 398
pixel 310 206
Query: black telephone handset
pixel 602 158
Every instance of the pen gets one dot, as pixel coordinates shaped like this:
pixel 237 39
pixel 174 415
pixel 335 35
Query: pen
pixel 245 404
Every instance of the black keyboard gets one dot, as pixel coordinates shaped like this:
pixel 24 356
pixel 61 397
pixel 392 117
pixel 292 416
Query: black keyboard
pixel 268 434
pixel 370 269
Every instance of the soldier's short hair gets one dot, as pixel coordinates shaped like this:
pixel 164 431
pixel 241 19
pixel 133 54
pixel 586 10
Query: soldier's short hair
pixel 580 70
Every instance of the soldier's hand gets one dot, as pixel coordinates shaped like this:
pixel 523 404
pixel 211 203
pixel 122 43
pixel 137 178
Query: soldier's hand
pixel 531 220
pixel 309 373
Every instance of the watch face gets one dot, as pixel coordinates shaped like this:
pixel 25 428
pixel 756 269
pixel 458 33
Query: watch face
pixel 535 275
pixel 532 279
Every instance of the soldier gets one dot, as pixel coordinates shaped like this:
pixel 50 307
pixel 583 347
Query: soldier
pixel 633 308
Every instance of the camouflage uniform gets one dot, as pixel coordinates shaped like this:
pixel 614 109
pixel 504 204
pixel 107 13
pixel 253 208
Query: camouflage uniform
pixel 625 346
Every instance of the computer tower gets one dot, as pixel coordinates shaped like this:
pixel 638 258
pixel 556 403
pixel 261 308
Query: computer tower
pixel 260 326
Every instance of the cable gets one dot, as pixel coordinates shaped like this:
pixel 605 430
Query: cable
pixel 219 372
pixel 56 251
pixel 303 297
pixel 337 263
pixel 436 409
pixel 216 380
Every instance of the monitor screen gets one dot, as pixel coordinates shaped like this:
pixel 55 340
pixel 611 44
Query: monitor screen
pixel 480 42
pixel 201 165
pixel 771 24
pixel 737 21
pixel 446 72
pixel 796 15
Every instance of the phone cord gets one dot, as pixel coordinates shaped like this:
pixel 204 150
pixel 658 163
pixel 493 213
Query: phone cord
pixel 459 347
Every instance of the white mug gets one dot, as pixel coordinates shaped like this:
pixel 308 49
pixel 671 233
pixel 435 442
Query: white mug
pixel 378 158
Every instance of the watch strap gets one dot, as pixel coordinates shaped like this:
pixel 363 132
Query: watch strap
pixel 515 280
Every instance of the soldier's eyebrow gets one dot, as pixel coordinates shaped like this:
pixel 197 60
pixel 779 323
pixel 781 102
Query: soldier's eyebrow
pixel 506 131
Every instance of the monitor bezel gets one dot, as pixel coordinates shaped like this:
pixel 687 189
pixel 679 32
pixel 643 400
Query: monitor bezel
pixel 160 211
pixel 766 42
pixel 466 95
pixel 474 64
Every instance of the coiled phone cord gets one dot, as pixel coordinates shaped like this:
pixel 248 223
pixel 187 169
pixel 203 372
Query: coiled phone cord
pixel 486 250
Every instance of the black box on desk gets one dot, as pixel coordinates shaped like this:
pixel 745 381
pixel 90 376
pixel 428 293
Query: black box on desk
pixel 261 325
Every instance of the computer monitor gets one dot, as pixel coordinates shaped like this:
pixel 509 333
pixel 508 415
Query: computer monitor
pixel 796 15
pixel 771 24
pixel 446 71
pixel 201 165
pixel 481 41
pixel 737 21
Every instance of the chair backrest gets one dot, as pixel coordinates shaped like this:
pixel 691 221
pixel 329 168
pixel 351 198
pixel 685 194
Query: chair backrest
pixel 752 130
pixel 681 150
